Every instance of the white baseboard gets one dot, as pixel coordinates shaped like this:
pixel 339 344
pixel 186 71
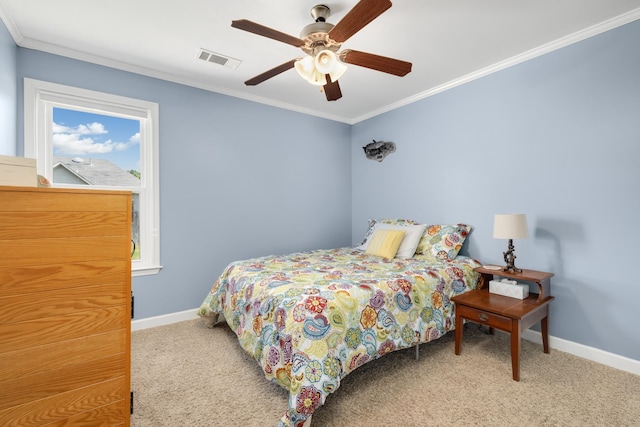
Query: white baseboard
pixel 166 319
pixel 586 352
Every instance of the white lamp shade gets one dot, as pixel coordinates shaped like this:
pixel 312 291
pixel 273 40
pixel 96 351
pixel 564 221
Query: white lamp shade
pixel 315 70
pixel 325 61
pixel 510 226
pixel 317 78
pixel 307 70
pixel 338 71
pixel 305 67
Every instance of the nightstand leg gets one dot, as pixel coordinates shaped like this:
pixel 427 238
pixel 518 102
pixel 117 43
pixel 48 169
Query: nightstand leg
pixel 458 333
pixel 515 349
pixel 544 323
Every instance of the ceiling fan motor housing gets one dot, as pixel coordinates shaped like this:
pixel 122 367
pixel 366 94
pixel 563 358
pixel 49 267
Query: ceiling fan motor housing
pixel 320 12
pixel 316 35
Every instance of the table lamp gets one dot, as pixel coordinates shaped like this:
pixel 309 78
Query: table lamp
pixel 510 226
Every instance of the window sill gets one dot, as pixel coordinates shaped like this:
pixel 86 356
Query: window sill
pixel 145 271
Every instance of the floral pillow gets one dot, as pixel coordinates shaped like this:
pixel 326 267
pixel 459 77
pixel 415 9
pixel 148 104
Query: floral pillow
pixel 443 241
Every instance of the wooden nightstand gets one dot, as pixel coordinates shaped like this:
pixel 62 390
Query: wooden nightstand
pixel 507 314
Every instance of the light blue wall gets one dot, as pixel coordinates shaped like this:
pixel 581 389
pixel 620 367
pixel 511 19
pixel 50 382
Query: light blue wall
pixel 8 93
pixel 557 138
pixel 237 179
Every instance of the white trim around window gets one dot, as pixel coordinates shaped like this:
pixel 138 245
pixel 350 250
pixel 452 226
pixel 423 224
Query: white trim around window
pixel 41 97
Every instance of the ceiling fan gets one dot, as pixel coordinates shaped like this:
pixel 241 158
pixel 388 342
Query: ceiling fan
pixel 321 40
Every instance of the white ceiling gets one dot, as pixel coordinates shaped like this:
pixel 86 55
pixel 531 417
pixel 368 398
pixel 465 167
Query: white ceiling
pixel 449 42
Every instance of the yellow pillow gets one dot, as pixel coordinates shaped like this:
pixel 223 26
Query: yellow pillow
pixel 385 243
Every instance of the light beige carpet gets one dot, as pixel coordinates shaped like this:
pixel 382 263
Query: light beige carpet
pixel 185 374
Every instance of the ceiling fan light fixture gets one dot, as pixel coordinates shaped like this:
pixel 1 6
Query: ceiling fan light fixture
pixel 314 70
pixel 325 61
pixel 318 78
pixel 305 68
pixel 338 71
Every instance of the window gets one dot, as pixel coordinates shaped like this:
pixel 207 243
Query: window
pixel 84 138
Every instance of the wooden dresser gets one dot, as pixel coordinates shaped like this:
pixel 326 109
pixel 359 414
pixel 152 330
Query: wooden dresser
pixel 65 307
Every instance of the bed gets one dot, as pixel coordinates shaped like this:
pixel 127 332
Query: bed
pixel 311 318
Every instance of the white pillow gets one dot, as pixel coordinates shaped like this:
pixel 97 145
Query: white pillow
pixel 412 236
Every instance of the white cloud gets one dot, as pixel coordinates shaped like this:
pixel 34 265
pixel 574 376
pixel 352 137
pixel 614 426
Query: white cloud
pixel 58 128
pixel 92 129
pixel 74 144
pixel 119 146
pixel 78 140
pixel 135 139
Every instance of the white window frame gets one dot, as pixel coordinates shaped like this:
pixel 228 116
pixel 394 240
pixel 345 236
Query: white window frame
pixel 41 97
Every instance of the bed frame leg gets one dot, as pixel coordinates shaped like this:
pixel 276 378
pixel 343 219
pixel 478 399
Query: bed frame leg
pixel 211 320
pixel 417 351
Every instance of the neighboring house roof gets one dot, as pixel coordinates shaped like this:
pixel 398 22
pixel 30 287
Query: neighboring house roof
pixel 92 172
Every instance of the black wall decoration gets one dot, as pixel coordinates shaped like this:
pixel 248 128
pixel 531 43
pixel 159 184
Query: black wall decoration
pixel 378 150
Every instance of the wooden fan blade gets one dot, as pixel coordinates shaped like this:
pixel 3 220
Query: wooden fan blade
pixel 261 30
pixel 360 15
pixel 376 62
pixel 271 73
pixel 332 89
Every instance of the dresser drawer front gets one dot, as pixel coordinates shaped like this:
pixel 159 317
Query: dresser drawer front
pixel 485 318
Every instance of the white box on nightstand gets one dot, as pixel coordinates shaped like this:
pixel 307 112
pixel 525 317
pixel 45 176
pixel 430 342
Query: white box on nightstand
pixel 509 288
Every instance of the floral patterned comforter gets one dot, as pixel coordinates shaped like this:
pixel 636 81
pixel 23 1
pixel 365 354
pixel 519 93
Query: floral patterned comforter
pixel 310 318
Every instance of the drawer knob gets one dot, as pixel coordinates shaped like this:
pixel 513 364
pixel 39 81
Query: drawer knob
pixel 483 317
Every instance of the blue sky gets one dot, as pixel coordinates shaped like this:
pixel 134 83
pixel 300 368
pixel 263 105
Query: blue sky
pixel 97 136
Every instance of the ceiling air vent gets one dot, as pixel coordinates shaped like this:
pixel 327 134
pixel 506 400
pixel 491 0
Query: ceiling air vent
pixel 216 58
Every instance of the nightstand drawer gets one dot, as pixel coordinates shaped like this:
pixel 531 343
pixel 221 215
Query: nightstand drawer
pixel 484 317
